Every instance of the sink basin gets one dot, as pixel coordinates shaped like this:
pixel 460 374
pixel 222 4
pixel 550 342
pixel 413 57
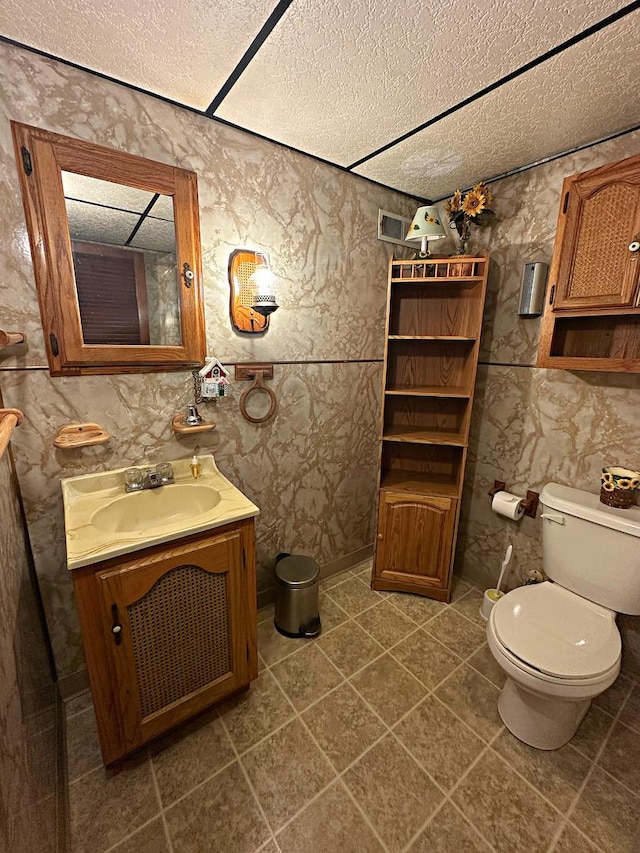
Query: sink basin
pixel 154 508
pixel 102 521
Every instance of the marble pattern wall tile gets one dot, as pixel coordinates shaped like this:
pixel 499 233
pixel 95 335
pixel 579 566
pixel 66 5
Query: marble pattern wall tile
pixel 318 223
pixel 311 469
pixel 27 736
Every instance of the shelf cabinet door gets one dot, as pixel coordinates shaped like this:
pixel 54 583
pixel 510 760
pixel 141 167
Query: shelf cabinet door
pixel 176 634
pixel 415 538
pixel 599 220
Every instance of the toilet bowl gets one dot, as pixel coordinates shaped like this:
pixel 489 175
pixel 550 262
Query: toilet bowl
pixel 558 651
pixel 558 643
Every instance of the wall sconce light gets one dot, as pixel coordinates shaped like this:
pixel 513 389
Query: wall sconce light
pixel 252 287
pixel 426 226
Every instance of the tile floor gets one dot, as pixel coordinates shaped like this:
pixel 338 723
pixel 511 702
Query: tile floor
pixel 382 735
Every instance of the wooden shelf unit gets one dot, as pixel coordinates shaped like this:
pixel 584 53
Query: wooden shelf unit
pixel 434 320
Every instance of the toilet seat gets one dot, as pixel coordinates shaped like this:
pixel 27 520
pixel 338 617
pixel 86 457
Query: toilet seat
pixel 555 635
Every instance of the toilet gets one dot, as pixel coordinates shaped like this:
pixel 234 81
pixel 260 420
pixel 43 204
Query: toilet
pixel 558 641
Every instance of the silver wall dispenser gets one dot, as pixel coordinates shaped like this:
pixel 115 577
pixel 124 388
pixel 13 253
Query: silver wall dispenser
pixel 534 281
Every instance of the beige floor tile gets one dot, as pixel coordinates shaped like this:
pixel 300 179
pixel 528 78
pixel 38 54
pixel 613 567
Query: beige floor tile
pixel 592 732
pixel 483 661
pixel 449 832
pixel 473 699
pixel 363 571
pixel 456 632
pixel 286 771
pixel 330 824
pixel 265 614
pixel 621 756
pixel 220 815
pixel 385 624
pixel 330 614
pixel 506 811
pixel 469 605
pixel 343 726
pixel 334 580
pixel 78 704
pixel 106 806
pixel 269 847
pixel 388 688
pixel 425 658
pixel 608 814
pixel 393 791
pixel 416 607
pixel 189 755
pixel 350 647
pixel 83 747
pixel 443 745
pixel 354 596
pixel 572 841
pixel 630 715
pixel 306 676
pixel 611 700
pixel 557 774
pixel 273 646
pixel 256 712
pixel 149 839
pixel 459 587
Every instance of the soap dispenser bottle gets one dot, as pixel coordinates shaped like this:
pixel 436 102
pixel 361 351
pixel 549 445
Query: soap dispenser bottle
pixel 196 468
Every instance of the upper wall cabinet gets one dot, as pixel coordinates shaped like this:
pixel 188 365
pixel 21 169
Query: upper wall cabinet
pixel 115 241
pixel 592 319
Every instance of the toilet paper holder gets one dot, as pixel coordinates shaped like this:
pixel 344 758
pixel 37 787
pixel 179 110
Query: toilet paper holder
pixel 529 504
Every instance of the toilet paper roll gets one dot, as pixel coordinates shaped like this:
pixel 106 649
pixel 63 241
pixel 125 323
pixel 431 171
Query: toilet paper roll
pixel 508 505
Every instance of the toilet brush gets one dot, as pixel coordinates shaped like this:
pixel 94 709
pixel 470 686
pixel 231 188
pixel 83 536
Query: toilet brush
pixel 492 595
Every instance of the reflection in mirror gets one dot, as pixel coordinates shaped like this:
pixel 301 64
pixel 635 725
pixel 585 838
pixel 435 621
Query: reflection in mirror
pixel 125 264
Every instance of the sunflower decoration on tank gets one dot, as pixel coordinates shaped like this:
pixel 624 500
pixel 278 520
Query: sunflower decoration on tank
pixel 472 208
pixel 619 478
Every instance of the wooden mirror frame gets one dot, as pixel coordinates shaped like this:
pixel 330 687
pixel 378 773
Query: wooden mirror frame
pixel 42 157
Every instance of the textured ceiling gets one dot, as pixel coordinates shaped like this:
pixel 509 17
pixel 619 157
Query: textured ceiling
pixel 341 79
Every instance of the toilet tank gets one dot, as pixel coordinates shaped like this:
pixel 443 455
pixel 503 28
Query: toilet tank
pixel 590 548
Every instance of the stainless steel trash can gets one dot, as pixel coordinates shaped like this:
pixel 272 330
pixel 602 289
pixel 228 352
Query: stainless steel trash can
pixel 296 606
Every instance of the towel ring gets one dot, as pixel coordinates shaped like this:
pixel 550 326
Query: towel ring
pixel 258 385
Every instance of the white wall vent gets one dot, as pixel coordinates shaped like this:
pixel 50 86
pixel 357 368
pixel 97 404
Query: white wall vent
pixel 392 228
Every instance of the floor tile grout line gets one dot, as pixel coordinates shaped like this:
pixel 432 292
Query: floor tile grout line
pixel 338 774
pixel 77 713
pixel 251 788
pixel 589 774
pixel 130 835
pixel 156 786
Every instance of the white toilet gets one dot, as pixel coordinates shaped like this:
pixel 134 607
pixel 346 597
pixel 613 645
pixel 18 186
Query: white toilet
pixel 558 642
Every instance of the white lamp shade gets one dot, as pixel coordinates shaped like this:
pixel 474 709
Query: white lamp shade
pixel 426 223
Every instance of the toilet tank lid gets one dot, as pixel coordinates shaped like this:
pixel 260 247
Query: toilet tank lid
pixel 586 505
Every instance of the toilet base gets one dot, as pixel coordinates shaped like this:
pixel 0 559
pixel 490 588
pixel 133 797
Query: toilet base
pixel 543 722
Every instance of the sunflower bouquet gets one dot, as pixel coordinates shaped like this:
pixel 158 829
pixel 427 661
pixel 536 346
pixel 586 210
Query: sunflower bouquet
pixel 472 208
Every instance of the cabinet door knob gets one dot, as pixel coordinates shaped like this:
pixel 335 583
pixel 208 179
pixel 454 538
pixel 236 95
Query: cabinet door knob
pixel 634 246
pixel 379 535
pixel 116 627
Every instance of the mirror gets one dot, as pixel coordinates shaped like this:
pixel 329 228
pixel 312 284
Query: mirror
pixel 119 278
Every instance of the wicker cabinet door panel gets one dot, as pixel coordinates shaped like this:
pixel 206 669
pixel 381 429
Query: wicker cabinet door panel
pixel 177 634
pixel 596 268
pixel 415 535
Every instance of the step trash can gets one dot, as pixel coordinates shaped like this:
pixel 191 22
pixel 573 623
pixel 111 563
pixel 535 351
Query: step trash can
pixel 296 605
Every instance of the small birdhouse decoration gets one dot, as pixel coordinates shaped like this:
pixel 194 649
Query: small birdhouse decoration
pixel 214 382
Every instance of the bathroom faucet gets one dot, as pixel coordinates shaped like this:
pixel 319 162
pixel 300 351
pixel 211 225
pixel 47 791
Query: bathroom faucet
pixel 138 479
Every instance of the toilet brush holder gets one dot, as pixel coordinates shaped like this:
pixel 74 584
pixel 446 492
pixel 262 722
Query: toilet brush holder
pixel 488 602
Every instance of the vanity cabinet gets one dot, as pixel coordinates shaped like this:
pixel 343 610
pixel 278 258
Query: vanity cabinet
pixel 592 319
pixel 434 319
pixel 168 631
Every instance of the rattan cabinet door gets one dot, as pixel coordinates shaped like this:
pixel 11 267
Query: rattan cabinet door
pixel 599 263
pixel 177 633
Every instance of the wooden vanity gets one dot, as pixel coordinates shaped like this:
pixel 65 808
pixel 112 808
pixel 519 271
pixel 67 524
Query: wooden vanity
pixel 168 626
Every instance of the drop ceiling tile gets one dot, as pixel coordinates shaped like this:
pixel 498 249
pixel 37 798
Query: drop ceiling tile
pixel 340 79
pixel 99 224
pixel 184 51
pixel 585 93
pixel 157 235
pixel 83 188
